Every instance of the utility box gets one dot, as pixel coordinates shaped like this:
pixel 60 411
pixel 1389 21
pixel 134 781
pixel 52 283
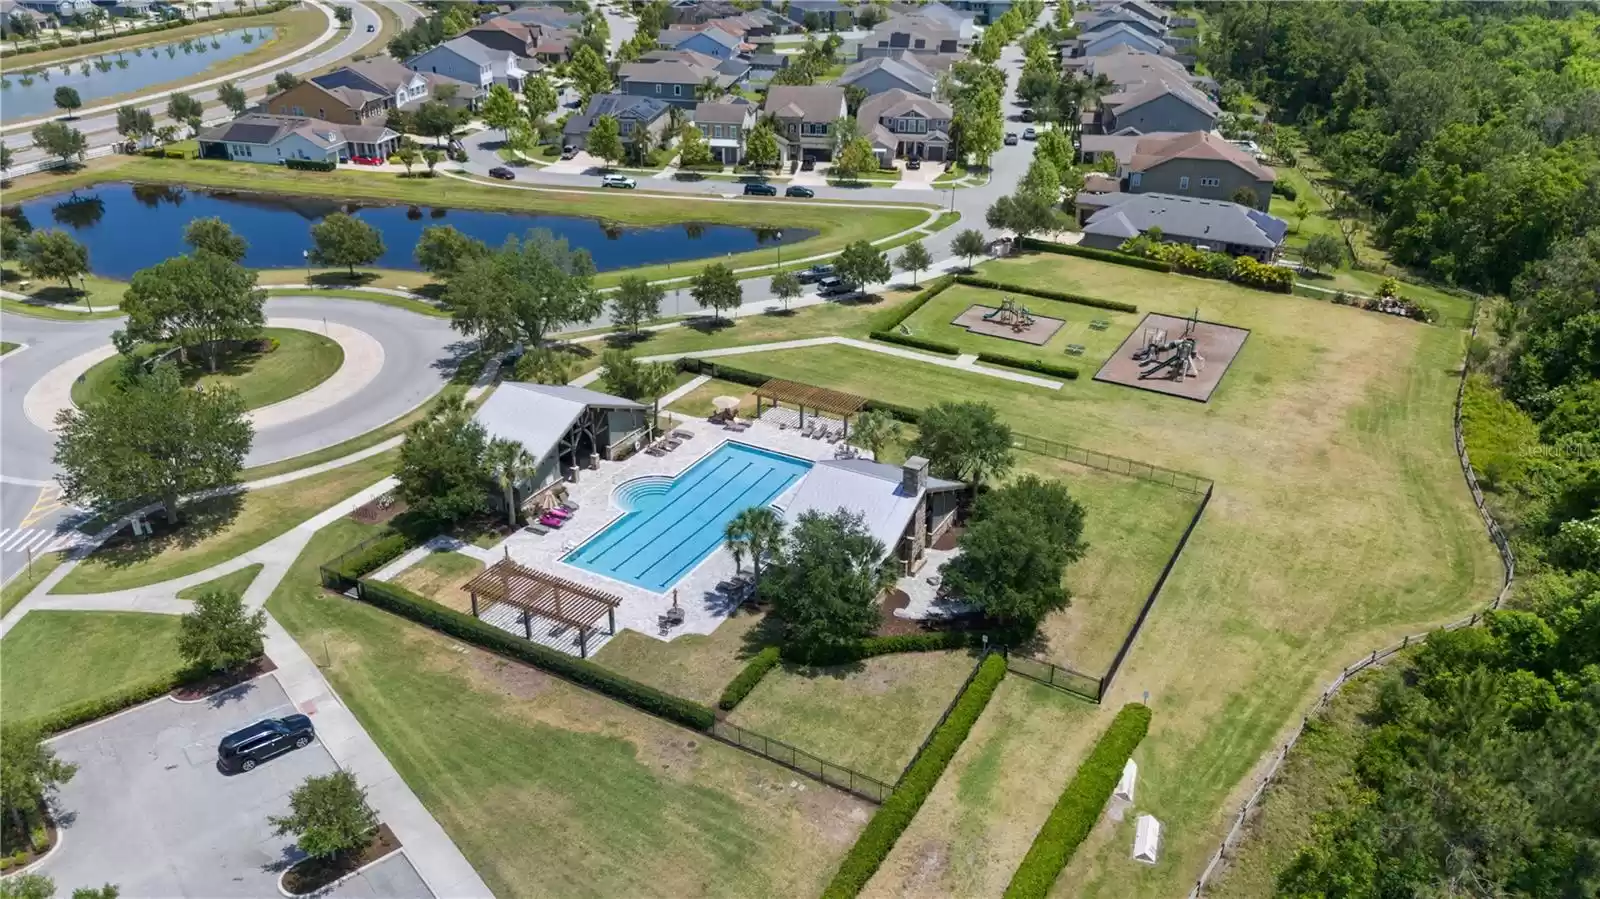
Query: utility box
pixel 1146 839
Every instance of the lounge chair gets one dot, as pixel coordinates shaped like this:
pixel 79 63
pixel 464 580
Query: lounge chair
pixel 558 512
pixel 806 430
pixel 551 521
pixel 681 434
pixel 533 527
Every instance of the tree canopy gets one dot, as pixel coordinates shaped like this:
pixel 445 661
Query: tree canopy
pixel 716 287
pixel 523 291
pixel 442 251
pixel 964 441
pixel 61 140
pixel 444 466
pixel 214 236
pixel 328 815
pixel 635 301
pixel 203 300
pixel 823 581
pixel 342 239
pixel 1019 539
pixel 860 263
pixel 220 633
pixel 52 253
pixel 605 139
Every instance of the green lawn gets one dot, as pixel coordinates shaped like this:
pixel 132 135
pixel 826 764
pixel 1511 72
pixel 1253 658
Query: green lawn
pixel 1330 443
pixel 549 789
pixel 233 582
pixel 976 825
pixel 220 529
pixel 382 299
pixel 29 577
pixel 933 322
pixel 90 294
pixel 7 346
pixel 55 659
pixel 869 716
pixel 302 360
pixel 695 666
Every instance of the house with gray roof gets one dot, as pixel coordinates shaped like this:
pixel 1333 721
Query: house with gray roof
pixel 903 507
pixel 1136 7
pixel 725 126
pixel 805 117
pixel 468 61
pixel 634 115
pixel 878 74
pixel 1092 23
pixel 1120 34
pixel 675 76
pixel 911 34
pixel 275 139
pixel 1216 225
pixel 900 123
pixel 707 39
pixel 1156 105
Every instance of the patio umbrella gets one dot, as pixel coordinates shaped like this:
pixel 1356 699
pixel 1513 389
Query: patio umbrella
pixel 724 403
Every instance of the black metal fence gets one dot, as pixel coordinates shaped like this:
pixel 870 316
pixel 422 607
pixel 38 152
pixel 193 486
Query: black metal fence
pixel 960 691
pixel 865 786
pixel 1189 483
pixel 1051 675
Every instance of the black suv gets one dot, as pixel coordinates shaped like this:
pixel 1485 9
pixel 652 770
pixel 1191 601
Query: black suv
pixel 243 749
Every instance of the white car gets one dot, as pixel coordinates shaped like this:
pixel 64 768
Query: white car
pixel 618 181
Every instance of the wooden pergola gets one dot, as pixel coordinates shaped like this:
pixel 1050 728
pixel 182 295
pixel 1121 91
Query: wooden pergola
pixel 535 592
pixel 805 396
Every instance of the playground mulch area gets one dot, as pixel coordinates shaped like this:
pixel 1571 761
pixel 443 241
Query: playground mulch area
pixel 1216 344
pixel 1039 333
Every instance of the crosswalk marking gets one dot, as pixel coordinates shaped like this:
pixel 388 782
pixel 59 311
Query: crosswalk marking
pixel 37 540
pixel 49 500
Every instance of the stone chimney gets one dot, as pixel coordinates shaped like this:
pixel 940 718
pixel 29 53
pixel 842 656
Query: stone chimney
pixel 914 476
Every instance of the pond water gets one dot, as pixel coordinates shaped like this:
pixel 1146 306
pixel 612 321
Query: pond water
pixel 29 91
pixel 131 226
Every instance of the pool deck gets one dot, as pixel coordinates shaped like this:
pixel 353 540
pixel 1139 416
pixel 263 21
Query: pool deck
pixel 704 608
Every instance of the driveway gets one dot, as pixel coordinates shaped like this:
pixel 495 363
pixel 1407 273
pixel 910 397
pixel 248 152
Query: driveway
pixel 149 811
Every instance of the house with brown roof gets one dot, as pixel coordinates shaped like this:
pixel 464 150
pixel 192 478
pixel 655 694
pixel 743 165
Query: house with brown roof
pixel 805 116
pixel 1197 164
pixel 901 123
pixel 520 39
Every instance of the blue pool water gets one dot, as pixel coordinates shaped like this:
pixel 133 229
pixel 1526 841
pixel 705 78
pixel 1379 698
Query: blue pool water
pixel 673 523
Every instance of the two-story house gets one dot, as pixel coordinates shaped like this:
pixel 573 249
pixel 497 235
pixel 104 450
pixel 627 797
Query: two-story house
pixel 272 139
pixel 1149 11
pixel 518 39
pixel 963 22
pixel 1158 105
pixel 676 76
pixel 901 123
pixel 878 74
pixel 466 60
pixel 634 115
pixel 725 126
pixel 708 40
pixel 829 15
pixel 805 116
pixel 1195 164
pixel 910 34
pixel 1104 41
pixel 361 93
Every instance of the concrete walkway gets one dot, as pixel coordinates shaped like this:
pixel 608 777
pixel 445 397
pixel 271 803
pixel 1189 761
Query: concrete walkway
pixel 436 858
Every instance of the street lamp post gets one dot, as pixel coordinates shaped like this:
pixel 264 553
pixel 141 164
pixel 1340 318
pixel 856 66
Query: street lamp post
pixel 306 255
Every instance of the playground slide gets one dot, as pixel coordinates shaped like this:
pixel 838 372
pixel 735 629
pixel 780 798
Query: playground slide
pixel 992 314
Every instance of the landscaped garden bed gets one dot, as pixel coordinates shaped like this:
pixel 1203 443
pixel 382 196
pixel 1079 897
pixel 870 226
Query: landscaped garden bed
pixel 312 874
pixel 195 691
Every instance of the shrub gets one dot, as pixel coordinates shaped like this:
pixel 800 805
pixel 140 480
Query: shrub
pixel 1080 804
pixel 920 343
pixel 71 716
pixel 894 816
pixel 904 413
pixel 752 674
pixel 889 319
pixel 723 372
pixel 462 626
pixel 1093 302
pixel 1043 246
pixel 1037 365
pixel 393 160
pixel 310 165
pixel 1284 189
pixel 931 641
pixel 6 863
pixel 371 556
pixel 39 836
pixel 1260 275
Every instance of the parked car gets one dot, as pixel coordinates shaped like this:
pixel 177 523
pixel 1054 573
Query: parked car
pixel 569 151
pixel 620 181
pixel 809 165
pixel 247 747
pixel 913 164
pixel 832 286
pixel 371 28
pixel 503 173
pixel 1027 115
pixel 1029 134
pixel 1011 138
pixel 815 273
pixel 760 189
pixel 795 190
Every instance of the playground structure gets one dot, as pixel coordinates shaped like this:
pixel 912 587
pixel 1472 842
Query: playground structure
pixel 1011 313
pixel 1172 360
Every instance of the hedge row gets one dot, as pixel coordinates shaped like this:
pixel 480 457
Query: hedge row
pixel 894 816
pixel 752 674
pixel 310 165
pixel 371 556
pixel 1080 805
pixel 756 379
pixel 71 716
pixel 932 346
pixel 1065 249
pixel 462 626
pixel 930 641
pixel 1038 365
pixel 1095 302
pixel 889 319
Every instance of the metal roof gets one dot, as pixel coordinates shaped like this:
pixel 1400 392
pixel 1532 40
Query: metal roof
pixel 538 415
pixel 873 490
pixel 1205 221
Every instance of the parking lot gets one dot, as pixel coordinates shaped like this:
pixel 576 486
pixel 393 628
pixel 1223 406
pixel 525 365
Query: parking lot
pixel 149 811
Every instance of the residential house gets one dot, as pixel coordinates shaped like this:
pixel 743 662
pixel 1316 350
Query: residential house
pixel 708 40
pixel 1216 225
pixel 274 139
pixel 902 123
pixel 518 39
pixel 831 15
pixel 1158 105
pixel 695 12
pixel 765 66
pixel 546 15
pixel 61 9
pixel 633 115
pixel 1194 164
pixel 1122 34
pixel 909 34
pixel 962 22
pixel 361 93
pixel 805 116
pixel 676 75
pixel 878 74
pixel 725 126
pixel 466 60
pixel 1098 22
pixel 986 11
pixel 1124 66
pixel 1143 8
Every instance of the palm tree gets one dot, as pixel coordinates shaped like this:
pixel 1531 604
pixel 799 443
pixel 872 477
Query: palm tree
pixel 655 379
pixel 876 429
pixel 756 531
pixel 510 463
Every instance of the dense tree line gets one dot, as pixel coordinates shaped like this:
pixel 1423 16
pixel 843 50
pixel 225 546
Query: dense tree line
pixel 1472 129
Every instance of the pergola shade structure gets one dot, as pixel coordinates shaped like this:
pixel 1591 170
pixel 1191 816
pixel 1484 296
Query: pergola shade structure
pixel 535 592
pixel 805 396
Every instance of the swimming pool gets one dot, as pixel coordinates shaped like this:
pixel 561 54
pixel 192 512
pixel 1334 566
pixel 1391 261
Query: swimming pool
pixel 672 523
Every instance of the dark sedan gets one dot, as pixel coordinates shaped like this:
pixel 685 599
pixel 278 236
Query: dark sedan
pixel 795 190
pixel 503 173
pixel 760 189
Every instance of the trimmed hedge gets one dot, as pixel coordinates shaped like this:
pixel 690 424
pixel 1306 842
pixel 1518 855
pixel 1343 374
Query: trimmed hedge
pixel 930 641
pixel 1094 302
pixel 932 346
pixel 464 627
pixel 374 555
pixel 310 165
pixel 71 716
pixel 904 413
pixel 894 816
pixel 1038 365
pixel 889 319
pixel 1112 256
pixel 1080 805
pixel 752 674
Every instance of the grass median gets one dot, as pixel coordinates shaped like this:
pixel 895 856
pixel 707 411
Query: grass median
pixel 55 659
pixel 300 361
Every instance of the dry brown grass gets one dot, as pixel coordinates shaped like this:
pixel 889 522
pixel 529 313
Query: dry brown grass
pixel 441 577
